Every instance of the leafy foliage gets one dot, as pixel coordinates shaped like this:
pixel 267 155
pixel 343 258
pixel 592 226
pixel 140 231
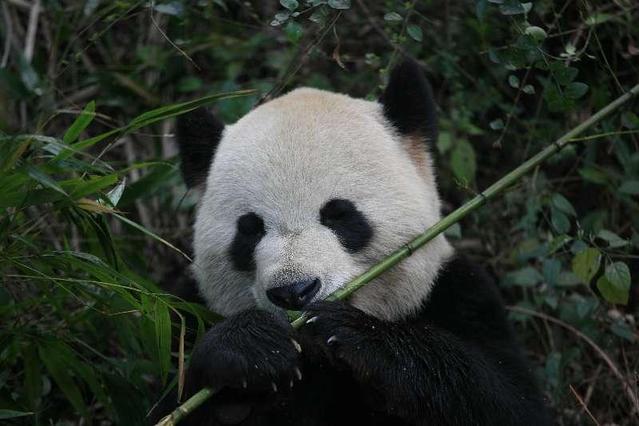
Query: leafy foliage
pixel 94 219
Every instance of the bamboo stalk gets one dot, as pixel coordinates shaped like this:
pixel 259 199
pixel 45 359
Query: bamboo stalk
pixel 185 409
pixel 452 218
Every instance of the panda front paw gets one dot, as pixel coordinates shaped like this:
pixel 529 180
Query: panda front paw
pixel 349 336
pixel 250 350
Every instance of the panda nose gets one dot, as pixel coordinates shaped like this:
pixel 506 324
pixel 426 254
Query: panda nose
pixel 296 295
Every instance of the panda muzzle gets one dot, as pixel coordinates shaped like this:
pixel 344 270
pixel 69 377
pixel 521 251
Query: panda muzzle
pixel 295 295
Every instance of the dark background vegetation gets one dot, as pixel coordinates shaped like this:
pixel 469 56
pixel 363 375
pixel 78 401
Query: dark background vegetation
pixel 87 218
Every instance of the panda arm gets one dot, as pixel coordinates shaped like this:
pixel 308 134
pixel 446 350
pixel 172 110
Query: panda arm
pixel 251 360
pixel 456 362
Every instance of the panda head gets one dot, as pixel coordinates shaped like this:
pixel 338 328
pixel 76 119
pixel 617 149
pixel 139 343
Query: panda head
pixel 308 191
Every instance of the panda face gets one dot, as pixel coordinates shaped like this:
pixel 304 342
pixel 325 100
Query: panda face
pixel 303 194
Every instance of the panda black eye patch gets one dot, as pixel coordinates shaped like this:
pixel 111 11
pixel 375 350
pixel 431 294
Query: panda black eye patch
pixel 349 224
pixel 250 230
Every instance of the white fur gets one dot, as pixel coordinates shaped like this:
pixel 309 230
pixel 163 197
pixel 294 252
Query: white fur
pixel 284 161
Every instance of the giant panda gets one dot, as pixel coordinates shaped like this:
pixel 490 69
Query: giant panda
pixel 301 195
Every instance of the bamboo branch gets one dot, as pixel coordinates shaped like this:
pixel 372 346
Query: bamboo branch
pixel 454 217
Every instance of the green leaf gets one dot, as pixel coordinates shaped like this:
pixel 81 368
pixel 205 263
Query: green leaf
pixel 551 270
pixel 280 18
pixel 514 7
pixel 148 118
pixel 54 359
pixel 539 34
pixel 630 120
pixel 525 277
pixel 558 242
pixel 150 234
pixel 560 221
pixel 630 187
pixel 11 414
pixel 586 263
pixel 568 279
pixel 44 180
pixel 613 240
pixel 415 32
pixel 497 124
pixel 392 17
pixel 463 162
pixel 174 8
pixel 556 100
pixel 529 89
pixel 593 175
pixel 563 74
pixel 619 275
pixel 612 293
pixel 622 330
pixel 294 31
pixel 513 81
pixel 576 90
pixel 444 142
pixel 291 5
pixel 81 122
pixel 598 18
pixel 163 337
pixel 79 188
pixel 563 204
pixel 340 4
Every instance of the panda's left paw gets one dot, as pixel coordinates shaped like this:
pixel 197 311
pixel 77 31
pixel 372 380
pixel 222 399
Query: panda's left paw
pixel 348 335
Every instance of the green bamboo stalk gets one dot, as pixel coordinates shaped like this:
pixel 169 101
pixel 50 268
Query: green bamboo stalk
pixel 452 218
pixel 186 408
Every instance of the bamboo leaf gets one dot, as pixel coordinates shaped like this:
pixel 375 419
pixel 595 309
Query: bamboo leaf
pixel 150 234
pixel 163 337
pixel 51 355
pixel 150 117
pixel 44 180
pixel 82 122
pixel 12 414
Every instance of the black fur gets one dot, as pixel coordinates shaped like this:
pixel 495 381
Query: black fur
pixel 455 362
pixel 197 133
pixel 408 101
pixel 250 230
pixel 349 224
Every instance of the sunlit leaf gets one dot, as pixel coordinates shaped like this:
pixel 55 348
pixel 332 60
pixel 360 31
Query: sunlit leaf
pixel 585 264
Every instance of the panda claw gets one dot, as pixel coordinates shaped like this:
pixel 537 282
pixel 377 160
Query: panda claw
pixel 290 384
pixel 244 383
pixel 332 340
pixel 311 320
pixel 297 346
pixel 298 373
pixel 274 386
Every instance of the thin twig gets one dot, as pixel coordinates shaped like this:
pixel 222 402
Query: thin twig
pixel 583 404
pixel 402 253
pixel 166 37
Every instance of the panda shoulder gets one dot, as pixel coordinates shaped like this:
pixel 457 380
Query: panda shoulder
pixel 465 296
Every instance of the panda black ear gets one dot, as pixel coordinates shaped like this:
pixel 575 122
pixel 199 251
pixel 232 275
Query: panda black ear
pixel 408 101
pixel 197 133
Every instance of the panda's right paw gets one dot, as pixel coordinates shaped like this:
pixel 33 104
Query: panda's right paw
pixel 251 352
